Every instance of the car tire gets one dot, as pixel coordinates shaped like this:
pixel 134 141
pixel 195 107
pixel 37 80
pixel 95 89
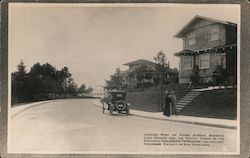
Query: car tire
pixel 127 111
pixel 111 111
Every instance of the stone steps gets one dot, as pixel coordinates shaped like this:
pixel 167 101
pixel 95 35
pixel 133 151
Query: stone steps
pixel 187 99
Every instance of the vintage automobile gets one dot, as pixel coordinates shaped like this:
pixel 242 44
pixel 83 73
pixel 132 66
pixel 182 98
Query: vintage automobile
pixel 115 101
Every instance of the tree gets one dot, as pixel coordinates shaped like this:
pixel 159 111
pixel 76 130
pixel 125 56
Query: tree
pixel 63 76
pixel 43 79
pixel 21 72
pixel 35 78
pixel 82 89
pixel 161 59
pixel 117 78
pixel 115 81
pixel 72 87
pixel 19 79
pixel 89 90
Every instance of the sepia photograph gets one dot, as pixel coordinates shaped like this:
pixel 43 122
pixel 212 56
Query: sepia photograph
pixel 123 78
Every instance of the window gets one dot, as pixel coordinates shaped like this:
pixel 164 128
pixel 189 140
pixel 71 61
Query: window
pixel 214 34
pixel 191 39
pixel 202 37
pixel 223 60
pixel 187 62
pixel 204 61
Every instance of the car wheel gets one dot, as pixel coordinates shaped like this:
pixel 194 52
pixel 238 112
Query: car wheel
pixel 127 111
pixel 111 111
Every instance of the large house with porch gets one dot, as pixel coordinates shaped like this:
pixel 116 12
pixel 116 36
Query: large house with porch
pixel 207 44
pixel 148 71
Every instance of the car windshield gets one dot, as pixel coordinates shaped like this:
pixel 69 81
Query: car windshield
pixel 118 96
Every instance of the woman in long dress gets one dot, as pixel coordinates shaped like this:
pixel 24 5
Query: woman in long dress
pixel 173 103
pixel 167 104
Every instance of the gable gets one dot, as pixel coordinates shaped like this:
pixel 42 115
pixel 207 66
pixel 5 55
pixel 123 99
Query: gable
pixel 137 62
pixel 198 22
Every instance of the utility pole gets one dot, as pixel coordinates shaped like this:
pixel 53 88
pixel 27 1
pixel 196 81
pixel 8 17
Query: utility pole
pixel 160 60
pixel 161 91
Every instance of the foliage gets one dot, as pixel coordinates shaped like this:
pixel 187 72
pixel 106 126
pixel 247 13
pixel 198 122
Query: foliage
pixel 89 90
pixel 42 80
pixel 115 81
pixel 19 82
pixel 82 89
pixel 160 76
pixel 141 71
pixel 63 77
pixel 71 87
pixel 144 75
pixel 161 59
pixel 219 75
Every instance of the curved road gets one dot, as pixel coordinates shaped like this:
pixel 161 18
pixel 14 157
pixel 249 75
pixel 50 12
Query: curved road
pixel 76 126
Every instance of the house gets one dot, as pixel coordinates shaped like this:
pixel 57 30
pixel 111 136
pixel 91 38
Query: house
pixel 145 72
pixel 207 45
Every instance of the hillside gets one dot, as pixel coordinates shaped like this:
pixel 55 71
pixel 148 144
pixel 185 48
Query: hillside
pixel 221 103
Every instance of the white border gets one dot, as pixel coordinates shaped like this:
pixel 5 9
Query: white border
pixel 160 5
pixel 131 5
pixel 238 79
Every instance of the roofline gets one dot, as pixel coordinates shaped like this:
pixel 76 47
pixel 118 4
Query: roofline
pixel 127 64
pixel 177 35
pixel 170 70
pixel 204 50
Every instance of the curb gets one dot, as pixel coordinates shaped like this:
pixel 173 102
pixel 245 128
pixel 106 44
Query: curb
pixel 30 106
pixel 180 121
pixel 188 122
pixel 36 104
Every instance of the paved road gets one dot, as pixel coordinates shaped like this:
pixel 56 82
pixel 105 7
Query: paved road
pixel 75 126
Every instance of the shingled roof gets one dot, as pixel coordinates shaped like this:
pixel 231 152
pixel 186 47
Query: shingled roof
pixel 187 27
pixel 140 61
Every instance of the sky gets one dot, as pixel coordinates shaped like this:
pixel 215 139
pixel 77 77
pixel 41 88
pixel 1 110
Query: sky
pixel 92 40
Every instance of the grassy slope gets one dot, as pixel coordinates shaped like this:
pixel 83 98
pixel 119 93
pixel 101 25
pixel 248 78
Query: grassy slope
pixel 214 104
pixel 148 100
